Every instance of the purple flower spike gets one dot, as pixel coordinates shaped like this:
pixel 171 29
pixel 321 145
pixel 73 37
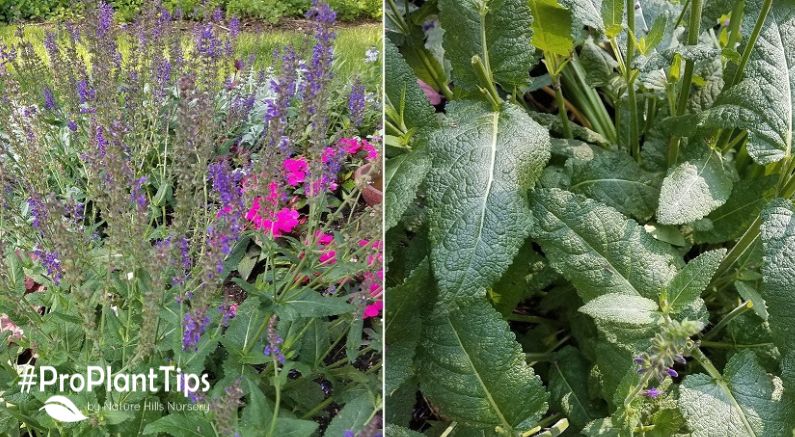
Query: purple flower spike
pixel 195 323
pixel 652 393
pixel 49 100
pixel 356 103
pixel 105 19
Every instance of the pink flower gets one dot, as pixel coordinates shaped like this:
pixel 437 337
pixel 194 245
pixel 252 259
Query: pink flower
pixel 372 152
pixel 328 155
pixel 350 145
pixel 286 221
pixel 431 94
pixel 6 325
pixel 279 223
pixel 373 309
pixel 295 170
pixel 324 239
pixel 328 256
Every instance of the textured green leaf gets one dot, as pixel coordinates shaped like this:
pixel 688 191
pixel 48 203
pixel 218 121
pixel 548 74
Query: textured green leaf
pixel 746 402
pixel 399 431
pixel 506 28
pixel 778 272
pixel 617 180
pixel 764 101
pixel 568 387
pixel 599 250
pixel 584 13
pixel 482 166
pixel 551 27
pixel 472 368
pixel 599 66
pixel 408 304
pixel 687 285
pixel 620 309
pixel 353 416
pixel 403 91
pixel 613 14
pixel 404 174
pixel 728 222
pixel 514 285
pixel 693 189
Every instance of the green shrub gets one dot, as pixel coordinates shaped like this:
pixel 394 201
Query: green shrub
pixel 270 10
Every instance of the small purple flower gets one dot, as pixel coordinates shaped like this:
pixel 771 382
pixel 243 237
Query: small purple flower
pixel 138 195
pixel 38 211
pixel 639 360
pixel 194 325
pixel 102 143
pixel 72 125
pixel 228 312
pixel 652 393
pixel 672 373
pixel 273 348
pixel 348 433
pixel 51 262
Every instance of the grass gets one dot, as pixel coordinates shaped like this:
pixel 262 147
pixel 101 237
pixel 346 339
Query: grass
pixel 352 43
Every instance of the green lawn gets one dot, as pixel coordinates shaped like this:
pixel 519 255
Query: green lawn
pixel 352 43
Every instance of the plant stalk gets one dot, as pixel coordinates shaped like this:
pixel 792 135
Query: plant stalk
pixel 694 28
pixel 740 309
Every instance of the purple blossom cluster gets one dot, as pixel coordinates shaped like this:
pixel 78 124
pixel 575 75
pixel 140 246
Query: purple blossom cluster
pixel 193 326
pixel 273 348
pixel 51 262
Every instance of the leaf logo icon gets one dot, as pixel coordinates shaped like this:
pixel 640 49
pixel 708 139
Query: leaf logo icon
pixel 62 409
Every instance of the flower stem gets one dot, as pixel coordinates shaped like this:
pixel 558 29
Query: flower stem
pixel 743 307
pixel 561 102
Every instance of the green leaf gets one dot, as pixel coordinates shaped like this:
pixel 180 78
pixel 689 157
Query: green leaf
pixel 408 304
pixel 749 292
pixel 404 174
pixel 617 180
pixel 621 309
pixel 687 285
pixel 764 101
pixel 693 189
pixel 728 222
pixel 353 416
pixel 778 272
pixel 568 387
pixel 501 38
pixel 180 425
pixel 483 164
pixel 472 368
pixel 513 285
pixel 613 14
pixel 745 402
pixel 399 431
pixel 599 250
pixel 599 66
pixel 584 13
pixel 403 91
pixel 309 303
pixel 551 27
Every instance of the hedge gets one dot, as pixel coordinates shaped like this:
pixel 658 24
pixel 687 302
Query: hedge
pixel 270 10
